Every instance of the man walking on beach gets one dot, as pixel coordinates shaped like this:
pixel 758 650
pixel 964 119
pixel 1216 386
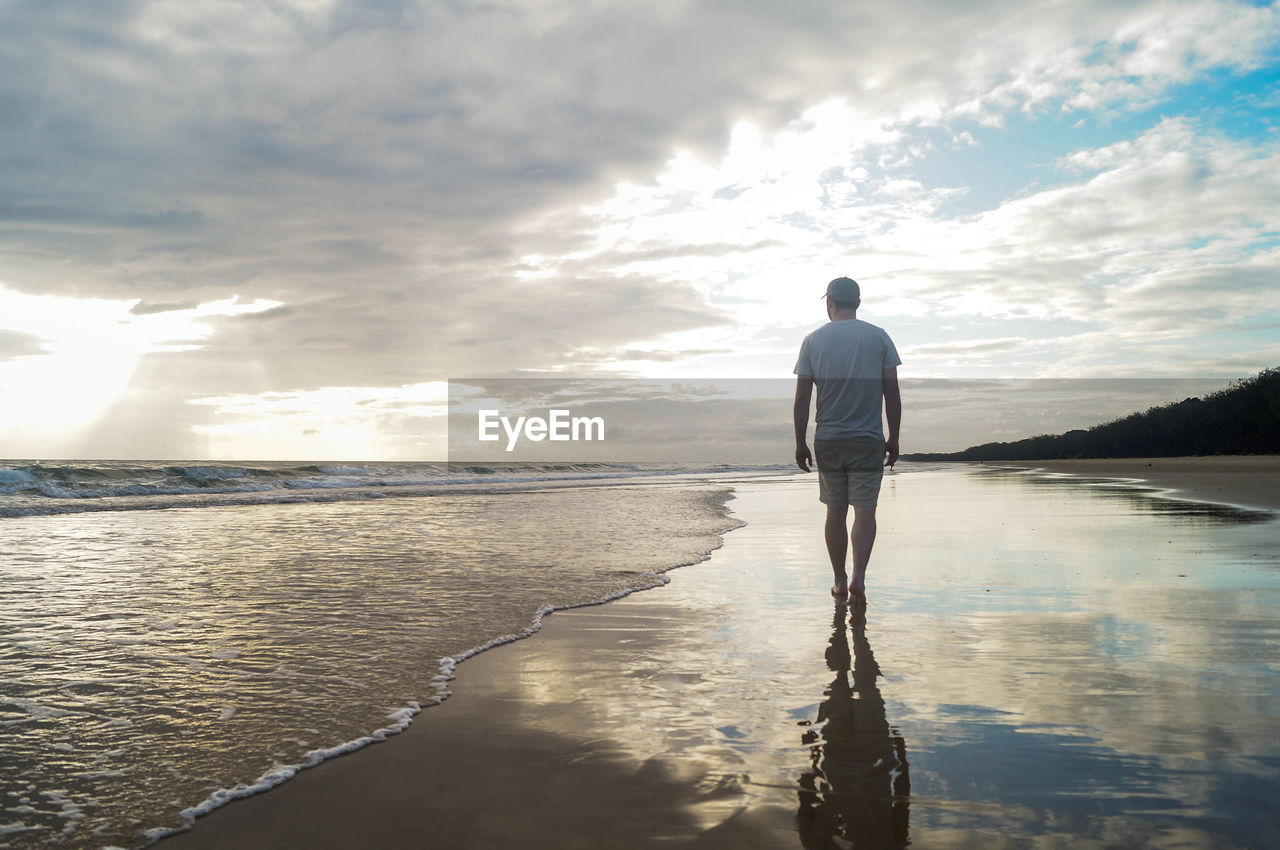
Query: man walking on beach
pixel 855 367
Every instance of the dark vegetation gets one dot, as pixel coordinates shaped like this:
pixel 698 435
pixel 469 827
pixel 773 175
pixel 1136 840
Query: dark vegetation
pixel 1241 419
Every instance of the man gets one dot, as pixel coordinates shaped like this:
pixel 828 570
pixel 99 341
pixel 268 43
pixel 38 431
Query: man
pixel 855 366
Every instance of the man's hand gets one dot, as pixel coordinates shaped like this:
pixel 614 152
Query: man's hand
pixel 891 452
pixel 800 413
pixel 893 412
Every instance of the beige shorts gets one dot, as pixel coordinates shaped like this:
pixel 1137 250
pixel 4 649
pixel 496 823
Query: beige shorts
pixel 849 470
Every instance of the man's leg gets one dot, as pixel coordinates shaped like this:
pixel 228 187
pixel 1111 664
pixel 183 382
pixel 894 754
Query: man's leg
pixel 838 546
pixel 864 535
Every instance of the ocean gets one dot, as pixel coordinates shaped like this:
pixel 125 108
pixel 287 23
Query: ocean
pixel 1058 661
pixel 177 635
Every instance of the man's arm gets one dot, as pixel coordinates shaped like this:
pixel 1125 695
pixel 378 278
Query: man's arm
pixel 893 412
pixel 800 414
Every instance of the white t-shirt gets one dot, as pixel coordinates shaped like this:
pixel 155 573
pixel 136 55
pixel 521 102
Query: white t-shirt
pixel 846 360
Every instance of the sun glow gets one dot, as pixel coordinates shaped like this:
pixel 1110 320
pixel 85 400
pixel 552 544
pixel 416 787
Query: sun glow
pixel 349 423
pixel 82 355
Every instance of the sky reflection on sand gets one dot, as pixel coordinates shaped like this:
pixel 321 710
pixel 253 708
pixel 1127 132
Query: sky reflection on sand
pixel 1057 662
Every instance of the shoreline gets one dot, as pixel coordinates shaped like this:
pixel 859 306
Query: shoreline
pixel 482 729
pixel 539 743
pixel 402 718
pixel 1249 481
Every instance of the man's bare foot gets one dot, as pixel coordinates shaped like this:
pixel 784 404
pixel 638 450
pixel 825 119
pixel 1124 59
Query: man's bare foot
pixel 859 591
pixel 840 590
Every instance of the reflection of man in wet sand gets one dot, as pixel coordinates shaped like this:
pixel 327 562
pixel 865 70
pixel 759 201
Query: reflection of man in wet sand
pixel 855 366
pixel 858 787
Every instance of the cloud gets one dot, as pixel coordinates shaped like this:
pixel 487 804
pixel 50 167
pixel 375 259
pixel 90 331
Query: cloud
pixel 391 422
pixel 1164 235
pixel 426 190
pixel 966 347
pixel 242 135
pixel 635 355
pixel 1167 240
pixel 1177 197
pixel 146 308
pixel 15 344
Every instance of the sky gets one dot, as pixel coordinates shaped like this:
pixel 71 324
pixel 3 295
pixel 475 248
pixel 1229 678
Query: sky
pixel 277 230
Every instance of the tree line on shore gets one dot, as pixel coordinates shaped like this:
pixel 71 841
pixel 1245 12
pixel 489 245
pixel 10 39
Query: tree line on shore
pixel 1241 419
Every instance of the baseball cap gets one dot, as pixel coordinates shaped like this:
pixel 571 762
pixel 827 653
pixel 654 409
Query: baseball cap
pixel 844 289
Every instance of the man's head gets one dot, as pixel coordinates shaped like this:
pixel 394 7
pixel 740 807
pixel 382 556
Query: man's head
pixel 843 295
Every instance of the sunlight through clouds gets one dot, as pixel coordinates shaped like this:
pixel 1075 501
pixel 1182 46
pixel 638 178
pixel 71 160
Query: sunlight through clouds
pixel 348 423
pixel 90 348
pixel 420 190
pixel 1141 241
pixel 769 208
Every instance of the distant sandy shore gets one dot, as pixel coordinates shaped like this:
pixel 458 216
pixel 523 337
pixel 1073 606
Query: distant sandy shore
pixel 1247 480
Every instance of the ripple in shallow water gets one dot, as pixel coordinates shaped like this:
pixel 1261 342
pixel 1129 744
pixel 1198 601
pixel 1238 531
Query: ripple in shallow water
pixel 152 658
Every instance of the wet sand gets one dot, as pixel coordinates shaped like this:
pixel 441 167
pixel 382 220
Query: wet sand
pixel 1249 480
pixel 1042 661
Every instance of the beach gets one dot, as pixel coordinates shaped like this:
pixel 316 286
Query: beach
pixel 175 635
pixel 1248 480
pixel 1043 661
